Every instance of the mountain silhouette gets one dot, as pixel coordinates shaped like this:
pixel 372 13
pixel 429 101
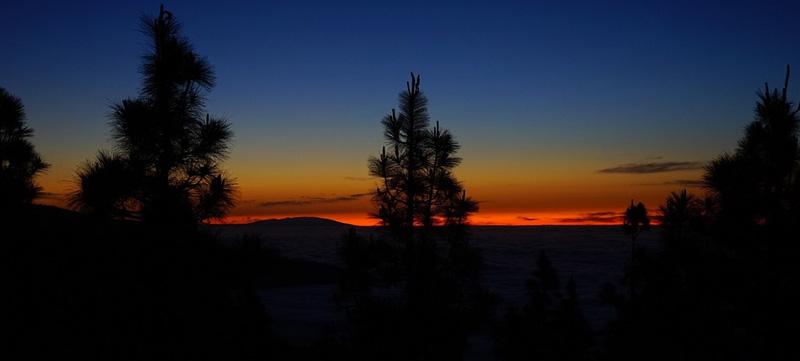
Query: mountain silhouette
pixel 298 222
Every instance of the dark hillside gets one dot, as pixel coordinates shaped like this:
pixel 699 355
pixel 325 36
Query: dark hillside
pixel 78 288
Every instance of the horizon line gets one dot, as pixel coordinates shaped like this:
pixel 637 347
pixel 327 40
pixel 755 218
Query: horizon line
pixel 499 220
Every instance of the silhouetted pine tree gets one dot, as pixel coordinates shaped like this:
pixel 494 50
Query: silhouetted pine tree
pixel 550 327
pixel 677 211
pixel 425 210
pixel 167 148
pixel 682 217
pixel 19 161
pixel 681 308
pixel 758 183
pixel 758 189
pixel 736 297
pixel 417 186
pixel 634 222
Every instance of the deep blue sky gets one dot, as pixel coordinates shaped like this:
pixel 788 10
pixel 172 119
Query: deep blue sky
pixel 541 95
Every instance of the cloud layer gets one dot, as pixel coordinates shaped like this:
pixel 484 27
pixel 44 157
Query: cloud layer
pixel 596 217
pixel 653 167
pixel 689 182
pixel 314 200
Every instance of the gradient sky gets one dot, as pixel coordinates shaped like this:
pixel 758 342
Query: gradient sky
pixel 565 110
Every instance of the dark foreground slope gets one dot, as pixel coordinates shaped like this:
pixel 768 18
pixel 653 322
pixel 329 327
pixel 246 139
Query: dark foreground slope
pixel 80 288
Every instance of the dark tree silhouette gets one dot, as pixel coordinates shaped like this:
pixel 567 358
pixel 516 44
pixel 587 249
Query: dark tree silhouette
pixel 634 222
pixel 19 161
pixel 417 186
pixel 679 212
pixel 424 210
pixel 736 297
pixel 550 327
pixel 106 186
pixel 168 151
pixel 418 192
pixel 758 191
pixel 758 183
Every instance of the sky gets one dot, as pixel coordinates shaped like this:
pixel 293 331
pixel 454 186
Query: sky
pixel 565 110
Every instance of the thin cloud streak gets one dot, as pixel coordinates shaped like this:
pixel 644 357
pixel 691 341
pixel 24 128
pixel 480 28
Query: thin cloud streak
pixel 654 167
pixel 695 183
pixel 688 182
pixel 529 219
pixel 52 195
pixel 314 200
pixel 595 217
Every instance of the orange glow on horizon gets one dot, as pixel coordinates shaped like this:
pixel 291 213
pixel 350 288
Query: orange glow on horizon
pixel 561 218
pixel 573 218
pixel 593 212
pixel 356 219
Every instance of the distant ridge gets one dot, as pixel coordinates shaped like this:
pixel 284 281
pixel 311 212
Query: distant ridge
pixel 50 213
pixel 299 222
